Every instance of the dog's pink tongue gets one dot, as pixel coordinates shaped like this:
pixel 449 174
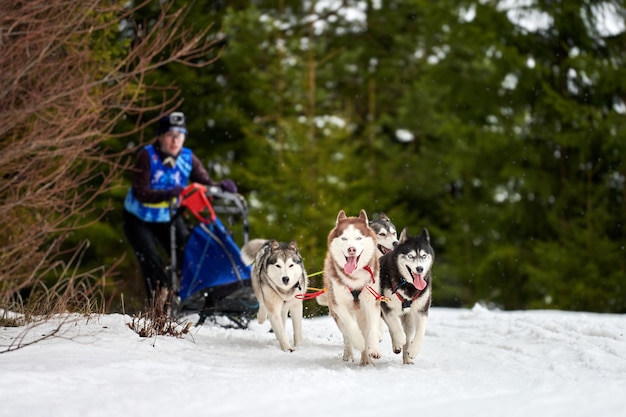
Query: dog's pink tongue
pixel 418 281
pixel 350 266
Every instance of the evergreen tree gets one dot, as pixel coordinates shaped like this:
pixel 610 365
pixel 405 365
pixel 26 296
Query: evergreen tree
pixel 505 140
pixel 535 212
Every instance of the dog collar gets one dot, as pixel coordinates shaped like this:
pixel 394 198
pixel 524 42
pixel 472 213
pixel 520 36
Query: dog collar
pixel 405 302
pixel 368 269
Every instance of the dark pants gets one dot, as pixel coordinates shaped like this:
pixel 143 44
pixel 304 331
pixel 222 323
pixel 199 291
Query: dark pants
pixel 144 237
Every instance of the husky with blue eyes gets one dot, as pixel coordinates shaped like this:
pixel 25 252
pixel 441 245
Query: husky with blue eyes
pixel 278 278
pixel 406 280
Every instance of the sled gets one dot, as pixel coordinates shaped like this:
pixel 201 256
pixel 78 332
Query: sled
pixel 214 281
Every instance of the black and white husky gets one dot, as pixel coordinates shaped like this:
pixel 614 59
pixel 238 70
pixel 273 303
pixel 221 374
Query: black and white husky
pixel 386 234
pixel 405 278
pixel 278 275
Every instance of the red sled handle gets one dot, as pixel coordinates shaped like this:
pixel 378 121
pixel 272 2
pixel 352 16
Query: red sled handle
pixel 194 199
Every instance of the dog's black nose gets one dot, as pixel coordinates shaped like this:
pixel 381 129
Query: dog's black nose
pixel 395 244
pixel 419 269
pixel 285 280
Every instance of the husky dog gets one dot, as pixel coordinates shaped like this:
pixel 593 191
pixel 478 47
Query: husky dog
pixel 278 275
pixel 351 281
pixel 405 278
pixel 386 234
pixel 386 240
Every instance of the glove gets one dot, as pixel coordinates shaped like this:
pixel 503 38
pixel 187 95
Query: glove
pixel 228 186
pixel 174 191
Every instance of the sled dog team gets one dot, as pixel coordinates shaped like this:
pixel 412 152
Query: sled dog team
pixel 368 273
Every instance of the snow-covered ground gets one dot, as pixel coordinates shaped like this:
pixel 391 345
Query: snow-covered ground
pixel 474 362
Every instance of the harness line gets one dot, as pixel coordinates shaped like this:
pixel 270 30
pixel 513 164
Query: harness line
pixel 319 291
pixel 377 296
pixel 309 296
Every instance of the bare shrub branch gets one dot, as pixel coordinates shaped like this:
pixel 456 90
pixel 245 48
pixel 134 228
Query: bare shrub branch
pixel 67 78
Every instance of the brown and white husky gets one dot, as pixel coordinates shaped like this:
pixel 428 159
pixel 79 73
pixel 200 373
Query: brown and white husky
pixel 351 271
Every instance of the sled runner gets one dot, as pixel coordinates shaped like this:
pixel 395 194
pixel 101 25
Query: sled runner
pixel 214 281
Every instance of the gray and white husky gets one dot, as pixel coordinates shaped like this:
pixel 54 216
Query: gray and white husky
pixel 351 282
pixel 278 275
pixel 386 234
pixel 406 279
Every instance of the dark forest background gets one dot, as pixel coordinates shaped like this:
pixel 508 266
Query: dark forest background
pixel 498 125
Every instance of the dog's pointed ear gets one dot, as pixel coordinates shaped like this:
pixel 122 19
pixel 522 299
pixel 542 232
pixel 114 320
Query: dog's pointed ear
pixel 383 216
pixel 293 245
pixel 341 216
pixel 363 215
pixel 426 235
pixel 403 235
pixel 274 244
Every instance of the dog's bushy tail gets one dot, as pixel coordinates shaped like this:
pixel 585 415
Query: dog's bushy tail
pixel 322 299
pixel 250 249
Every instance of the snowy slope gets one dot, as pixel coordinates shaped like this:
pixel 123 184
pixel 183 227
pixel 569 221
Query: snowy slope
pixel 474 363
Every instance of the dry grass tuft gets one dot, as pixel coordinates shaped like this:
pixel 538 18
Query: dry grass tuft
pixel 157 320
pixel 146 325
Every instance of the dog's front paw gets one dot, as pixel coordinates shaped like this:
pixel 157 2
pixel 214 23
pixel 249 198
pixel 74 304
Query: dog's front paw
pixel 347 353
pixel 287 348
pixel 375 354
pixel 397 342
pixel 406 360
pixel 414 348
pixel 366 359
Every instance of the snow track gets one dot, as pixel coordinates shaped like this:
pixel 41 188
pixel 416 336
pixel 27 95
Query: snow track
pixel 474 362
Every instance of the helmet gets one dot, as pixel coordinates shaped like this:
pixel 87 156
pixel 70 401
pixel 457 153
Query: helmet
pixel 174 121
